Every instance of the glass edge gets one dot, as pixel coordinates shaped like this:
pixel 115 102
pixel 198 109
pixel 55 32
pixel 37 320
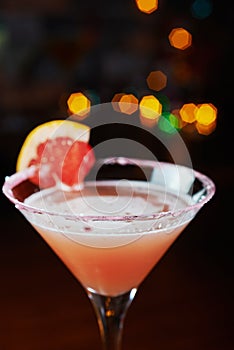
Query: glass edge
pixel 15 179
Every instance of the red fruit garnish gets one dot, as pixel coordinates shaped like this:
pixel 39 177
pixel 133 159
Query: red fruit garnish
pixel 60 151
pixel 62 160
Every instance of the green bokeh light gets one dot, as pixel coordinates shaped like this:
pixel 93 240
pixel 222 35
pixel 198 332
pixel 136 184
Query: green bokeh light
pixel 168 123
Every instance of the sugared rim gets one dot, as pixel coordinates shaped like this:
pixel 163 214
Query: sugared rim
pixel 17 178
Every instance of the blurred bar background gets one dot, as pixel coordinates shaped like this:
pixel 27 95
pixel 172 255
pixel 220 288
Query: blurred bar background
pixel 51 49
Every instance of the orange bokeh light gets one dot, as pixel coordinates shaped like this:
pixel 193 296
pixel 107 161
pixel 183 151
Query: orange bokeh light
pixel 150 107
pixel 205 129
pixel 181 122
pixel 79 104
pixel 147 6
pixel 125 103
pixel 180 38
pixel 115 101
pixel 188 112
pixel 128 104
pixel 156 80
pixel 206 114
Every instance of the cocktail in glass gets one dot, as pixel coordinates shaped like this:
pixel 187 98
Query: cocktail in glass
pixel 113 230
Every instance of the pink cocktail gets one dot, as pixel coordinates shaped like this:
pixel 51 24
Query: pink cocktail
pixel 114 230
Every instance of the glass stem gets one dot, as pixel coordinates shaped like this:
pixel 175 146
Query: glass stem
pixel 110 313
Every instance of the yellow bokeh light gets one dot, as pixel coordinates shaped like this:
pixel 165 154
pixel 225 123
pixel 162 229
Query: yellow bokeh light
pixel 206 113
pixel 79 104
pixel 128 104
pixel 147 6
pixel 180 38
pixel 156 80
pixel 188 112
pixel 150 107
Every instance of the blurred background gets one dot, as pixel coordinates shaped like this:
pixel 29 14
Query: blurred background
pixel 179 52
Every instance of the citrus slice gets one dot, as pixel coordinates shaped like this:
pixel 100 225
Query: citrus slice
pixel 60 152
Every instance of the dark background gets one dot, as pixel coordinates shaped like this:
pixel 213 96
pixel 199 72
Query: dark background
pixel 49 49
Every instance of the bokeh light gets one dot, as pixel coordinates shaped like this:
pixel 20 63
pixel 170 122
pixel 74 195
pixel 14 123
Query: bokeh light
pixel 180 38
pixel 206 114
pixel 206 129
pixel 92 96
pixel 128 104
pixel 147 6
pixel 115 101
pixel 176 113
pixel 188 112
pixel 168 123
pixel 79 104
pixel 125 103
pixel 117 97
pixel 165 101
pixel 150 107
pixel 201 9
pixel 156 80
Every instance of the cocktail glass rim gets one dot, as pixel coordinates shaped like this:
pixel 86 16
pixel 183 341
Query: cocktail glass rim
pixel 17 178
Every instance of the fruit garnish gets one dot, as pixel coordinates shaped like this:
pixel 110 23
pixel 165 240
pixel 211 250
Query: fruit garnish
pixel 60 152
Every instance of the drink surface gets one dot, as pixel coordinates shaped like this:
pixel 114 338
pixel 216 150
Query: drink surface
pixel 109 256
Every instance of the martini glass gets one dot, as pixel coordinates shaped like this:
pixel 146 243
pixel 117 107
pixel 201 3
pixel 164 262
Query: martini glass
pixel 111 232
